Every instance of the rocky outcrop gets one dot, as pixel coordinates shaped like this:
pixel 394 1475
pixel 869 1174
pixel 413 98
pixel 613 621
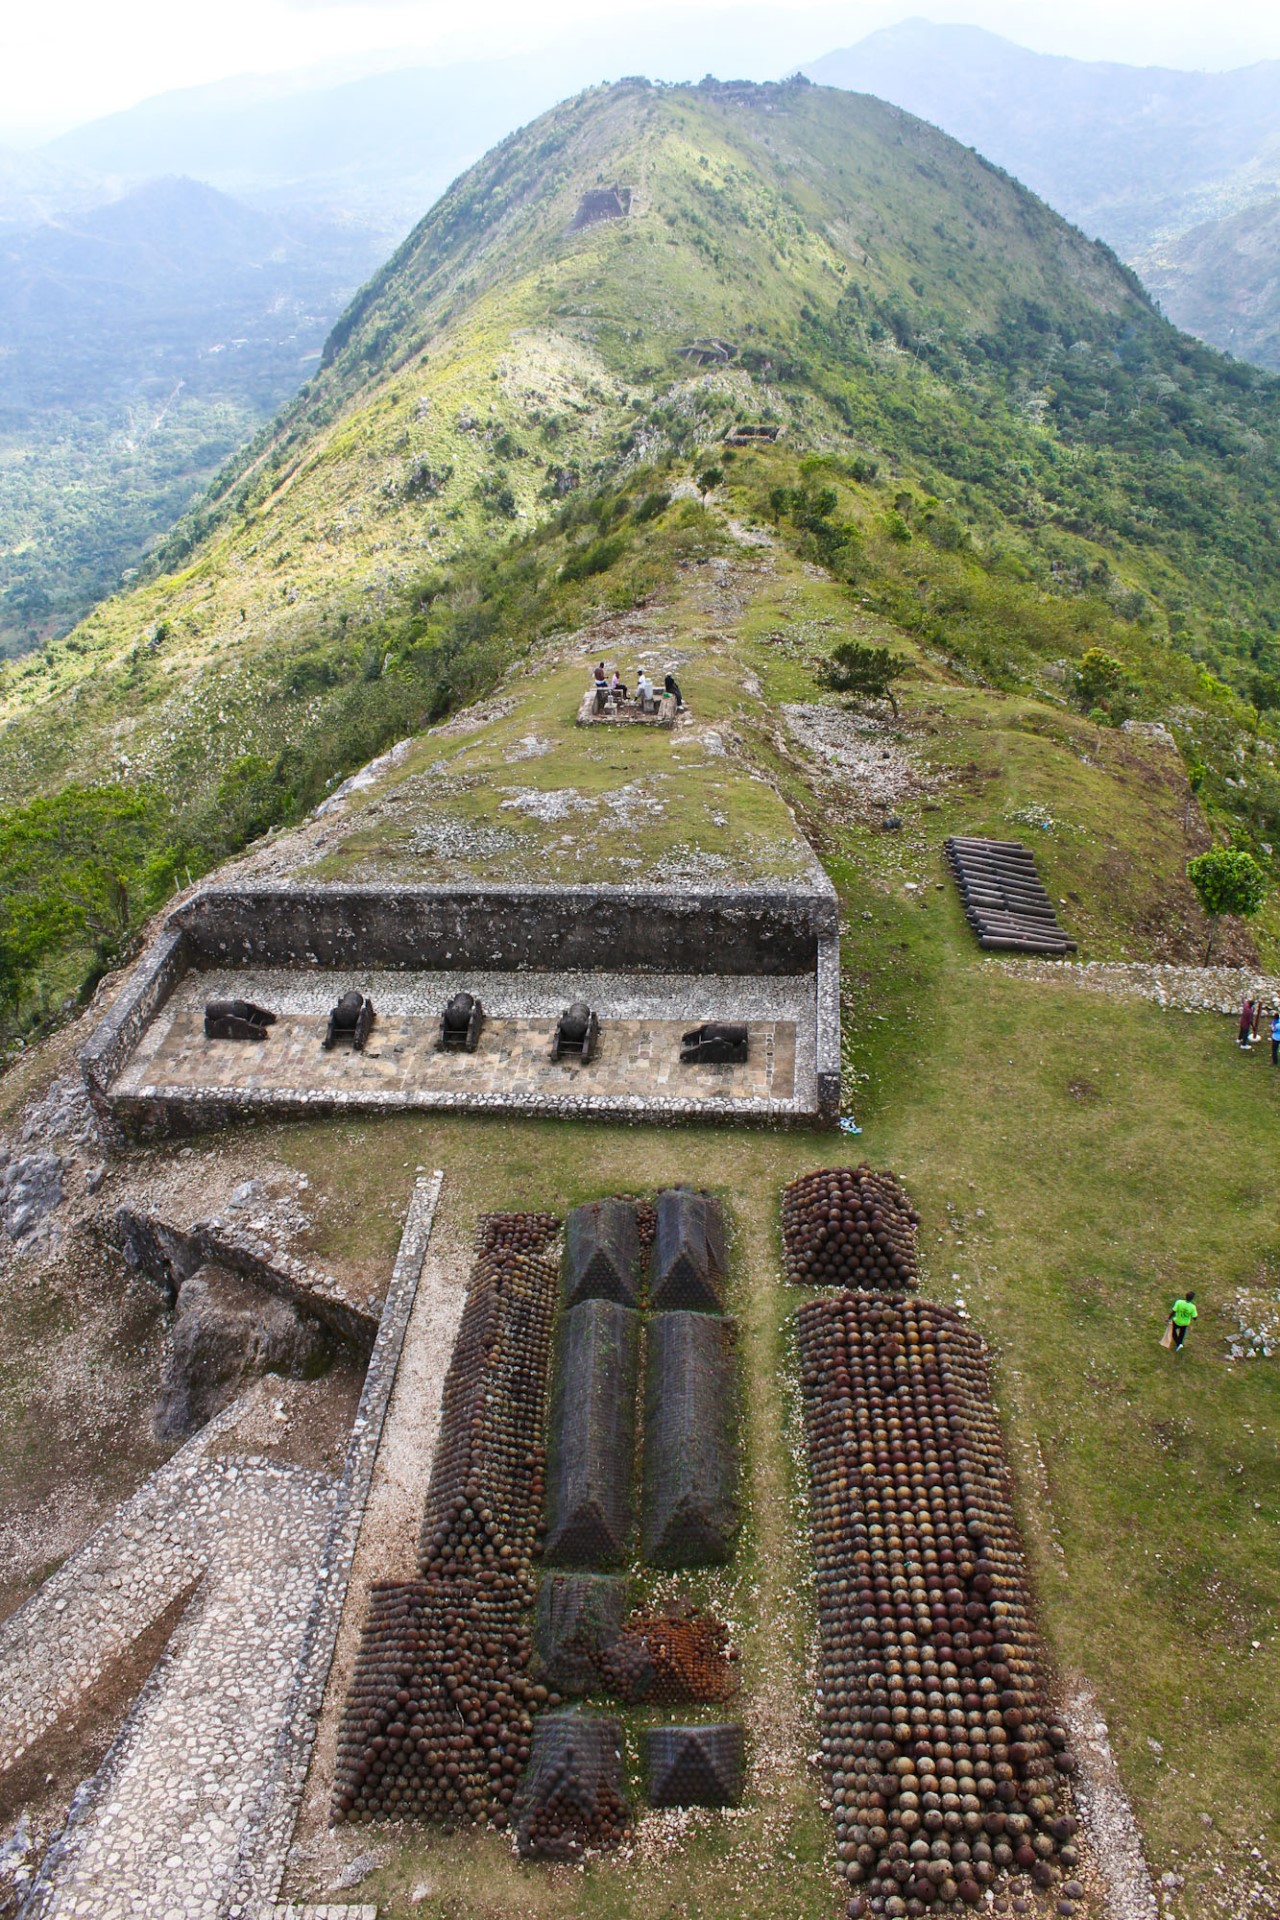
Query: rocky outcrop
pixel 225 1332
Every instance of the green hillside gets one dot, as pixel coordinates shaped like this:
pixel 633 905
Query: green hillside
pixel 1026 459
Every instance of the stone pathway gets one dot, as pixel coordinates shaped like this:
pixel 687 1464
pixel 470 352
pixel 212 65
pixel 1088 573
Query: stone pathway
pixel 88 1613
pixel 1180 989
pixel 190 1815
pixel 1108 1818
pixel 158 1833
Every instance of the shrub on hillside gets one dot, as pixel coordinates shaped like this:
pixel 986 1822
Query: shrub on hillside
pixel 1227 881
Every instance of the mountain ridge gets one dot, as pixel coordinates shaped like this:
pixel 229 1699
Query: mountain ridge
pixel 984 431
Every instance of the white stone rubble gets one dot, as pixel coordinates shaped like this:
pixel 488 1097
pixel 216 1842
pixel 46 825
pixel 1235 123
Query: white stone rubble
pixel 1180 989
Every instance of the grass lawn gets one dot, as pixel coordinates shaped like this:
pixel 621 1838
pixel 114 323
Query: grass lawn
pixel 1076 1160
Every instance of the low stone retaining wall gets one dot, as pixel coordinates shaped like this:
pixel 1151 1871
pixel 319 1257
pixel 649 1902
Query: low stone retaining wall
pixel 529 928
pixel 761 937
pixel 170 1255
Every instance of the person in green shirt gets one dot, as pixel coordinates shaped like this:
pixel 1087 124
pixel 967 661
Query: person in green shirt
pixel 1184 1312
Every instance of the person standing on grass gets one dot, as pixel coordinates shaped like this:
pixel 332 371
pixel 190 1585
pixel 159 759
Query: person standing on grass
pixel 1246 1025
pixel 1182 1314
pixel 1275 1036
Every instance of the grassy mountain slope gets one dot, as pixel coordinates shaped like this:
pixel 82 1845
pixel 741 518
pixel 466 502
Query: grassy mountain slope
pixel 1044 1130
pixel 1030 461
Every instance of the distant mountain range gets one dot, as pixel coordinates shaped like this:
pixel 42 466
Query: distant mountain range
pixel 166 272
pixel 1136 156
pixel 141 342
pixel 1130 154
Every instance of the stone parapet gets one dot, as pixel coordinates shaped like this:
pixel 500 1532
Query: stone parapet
pixel 769 930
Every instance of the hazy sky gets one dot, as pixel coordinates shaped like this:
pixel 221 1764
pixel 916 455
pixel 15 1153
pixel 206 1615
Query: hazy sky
pixel 70 60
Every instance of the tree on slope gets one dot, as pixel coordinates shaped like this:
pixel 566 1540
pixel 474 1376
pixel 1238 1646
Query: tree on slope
pixel 864 673
pixel 1227 880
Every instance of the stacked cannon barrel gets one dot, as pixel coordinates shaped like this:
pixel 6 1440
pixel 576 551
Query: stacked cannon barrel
pixel 849 1227
pixel 1004 900
pixel 438 1722
pixel 945 1760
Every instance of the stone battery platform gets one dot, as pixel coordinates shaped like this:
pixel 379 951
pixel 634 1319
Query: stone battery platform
pixel 652 962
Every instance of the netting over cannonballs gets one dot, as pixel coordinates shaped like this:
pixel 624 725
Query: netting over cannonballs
pixel 687 1265
pixel 698 1766
pixel 573 1795
pixel 850 1227
pixel 438 1721
pixel 601 1254
pixel 690 1511
pixel 578 1616
pixel 592 1436
pixel 945 1757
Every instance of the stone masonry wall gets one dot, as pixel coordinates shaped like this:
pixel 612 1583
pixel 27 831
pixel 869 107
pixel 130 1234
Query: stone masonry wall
pixel 660 930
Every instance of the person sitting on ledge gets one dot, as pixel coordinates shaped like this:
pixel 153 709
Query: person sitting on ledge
pixel 600 675
pixel 617 688
pixel 672 685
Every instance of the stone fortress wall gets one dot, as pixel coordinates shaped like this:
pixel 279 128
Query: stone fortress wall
pixel 747 943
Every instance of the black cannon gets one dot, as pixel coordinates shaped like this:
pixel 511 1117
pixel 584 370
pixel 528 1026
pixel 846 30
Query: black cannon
pixel 351 1019
pixel 236 1020
pixel 714 1043
pixel 577 1031
pixel 460 1024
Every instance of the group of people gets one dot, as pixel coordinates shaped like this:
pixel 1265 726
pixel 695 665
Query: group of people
pixel 1252 1015
pixel 644 694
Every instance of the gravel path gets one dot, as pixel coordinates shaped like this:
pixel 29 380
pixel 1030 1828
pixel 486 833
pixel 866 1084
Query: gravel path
pixel 104 1597
pixel 1180 989
pixel 190 1816
pixel 158 1833
pixel 1114 1840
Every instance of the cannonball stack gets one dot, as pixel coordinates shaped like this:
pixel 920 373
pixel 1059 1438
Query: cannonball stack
pixel 849 1227
pixel 516 1232
pixel 667 1659
pixel 439 1718
pixel 945 1760
pixel 573 1795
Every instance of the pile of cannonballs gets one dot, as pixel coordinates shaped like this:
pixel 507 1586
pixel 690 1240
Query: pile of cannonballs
pixel 945 1760
pixel 849 1227
pixel 667 1659
pixel 516 1232
pixel 573 1796
pixel 438 1722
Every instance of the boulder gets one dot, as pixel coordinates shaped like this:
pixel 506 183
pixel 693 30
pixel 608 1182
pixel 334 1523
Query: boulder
pixel 225 1333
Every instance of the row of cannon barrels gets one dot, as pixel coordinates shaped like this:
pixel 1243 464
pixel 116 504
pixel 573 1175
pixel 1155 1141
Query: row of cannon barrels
pixel 690 1507
pixel 606 1242
pixel 584 1643
pixel 439 1718
pixel 574 1793
pixel 1004 898
pixel 945 1759
pixel 850 1227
